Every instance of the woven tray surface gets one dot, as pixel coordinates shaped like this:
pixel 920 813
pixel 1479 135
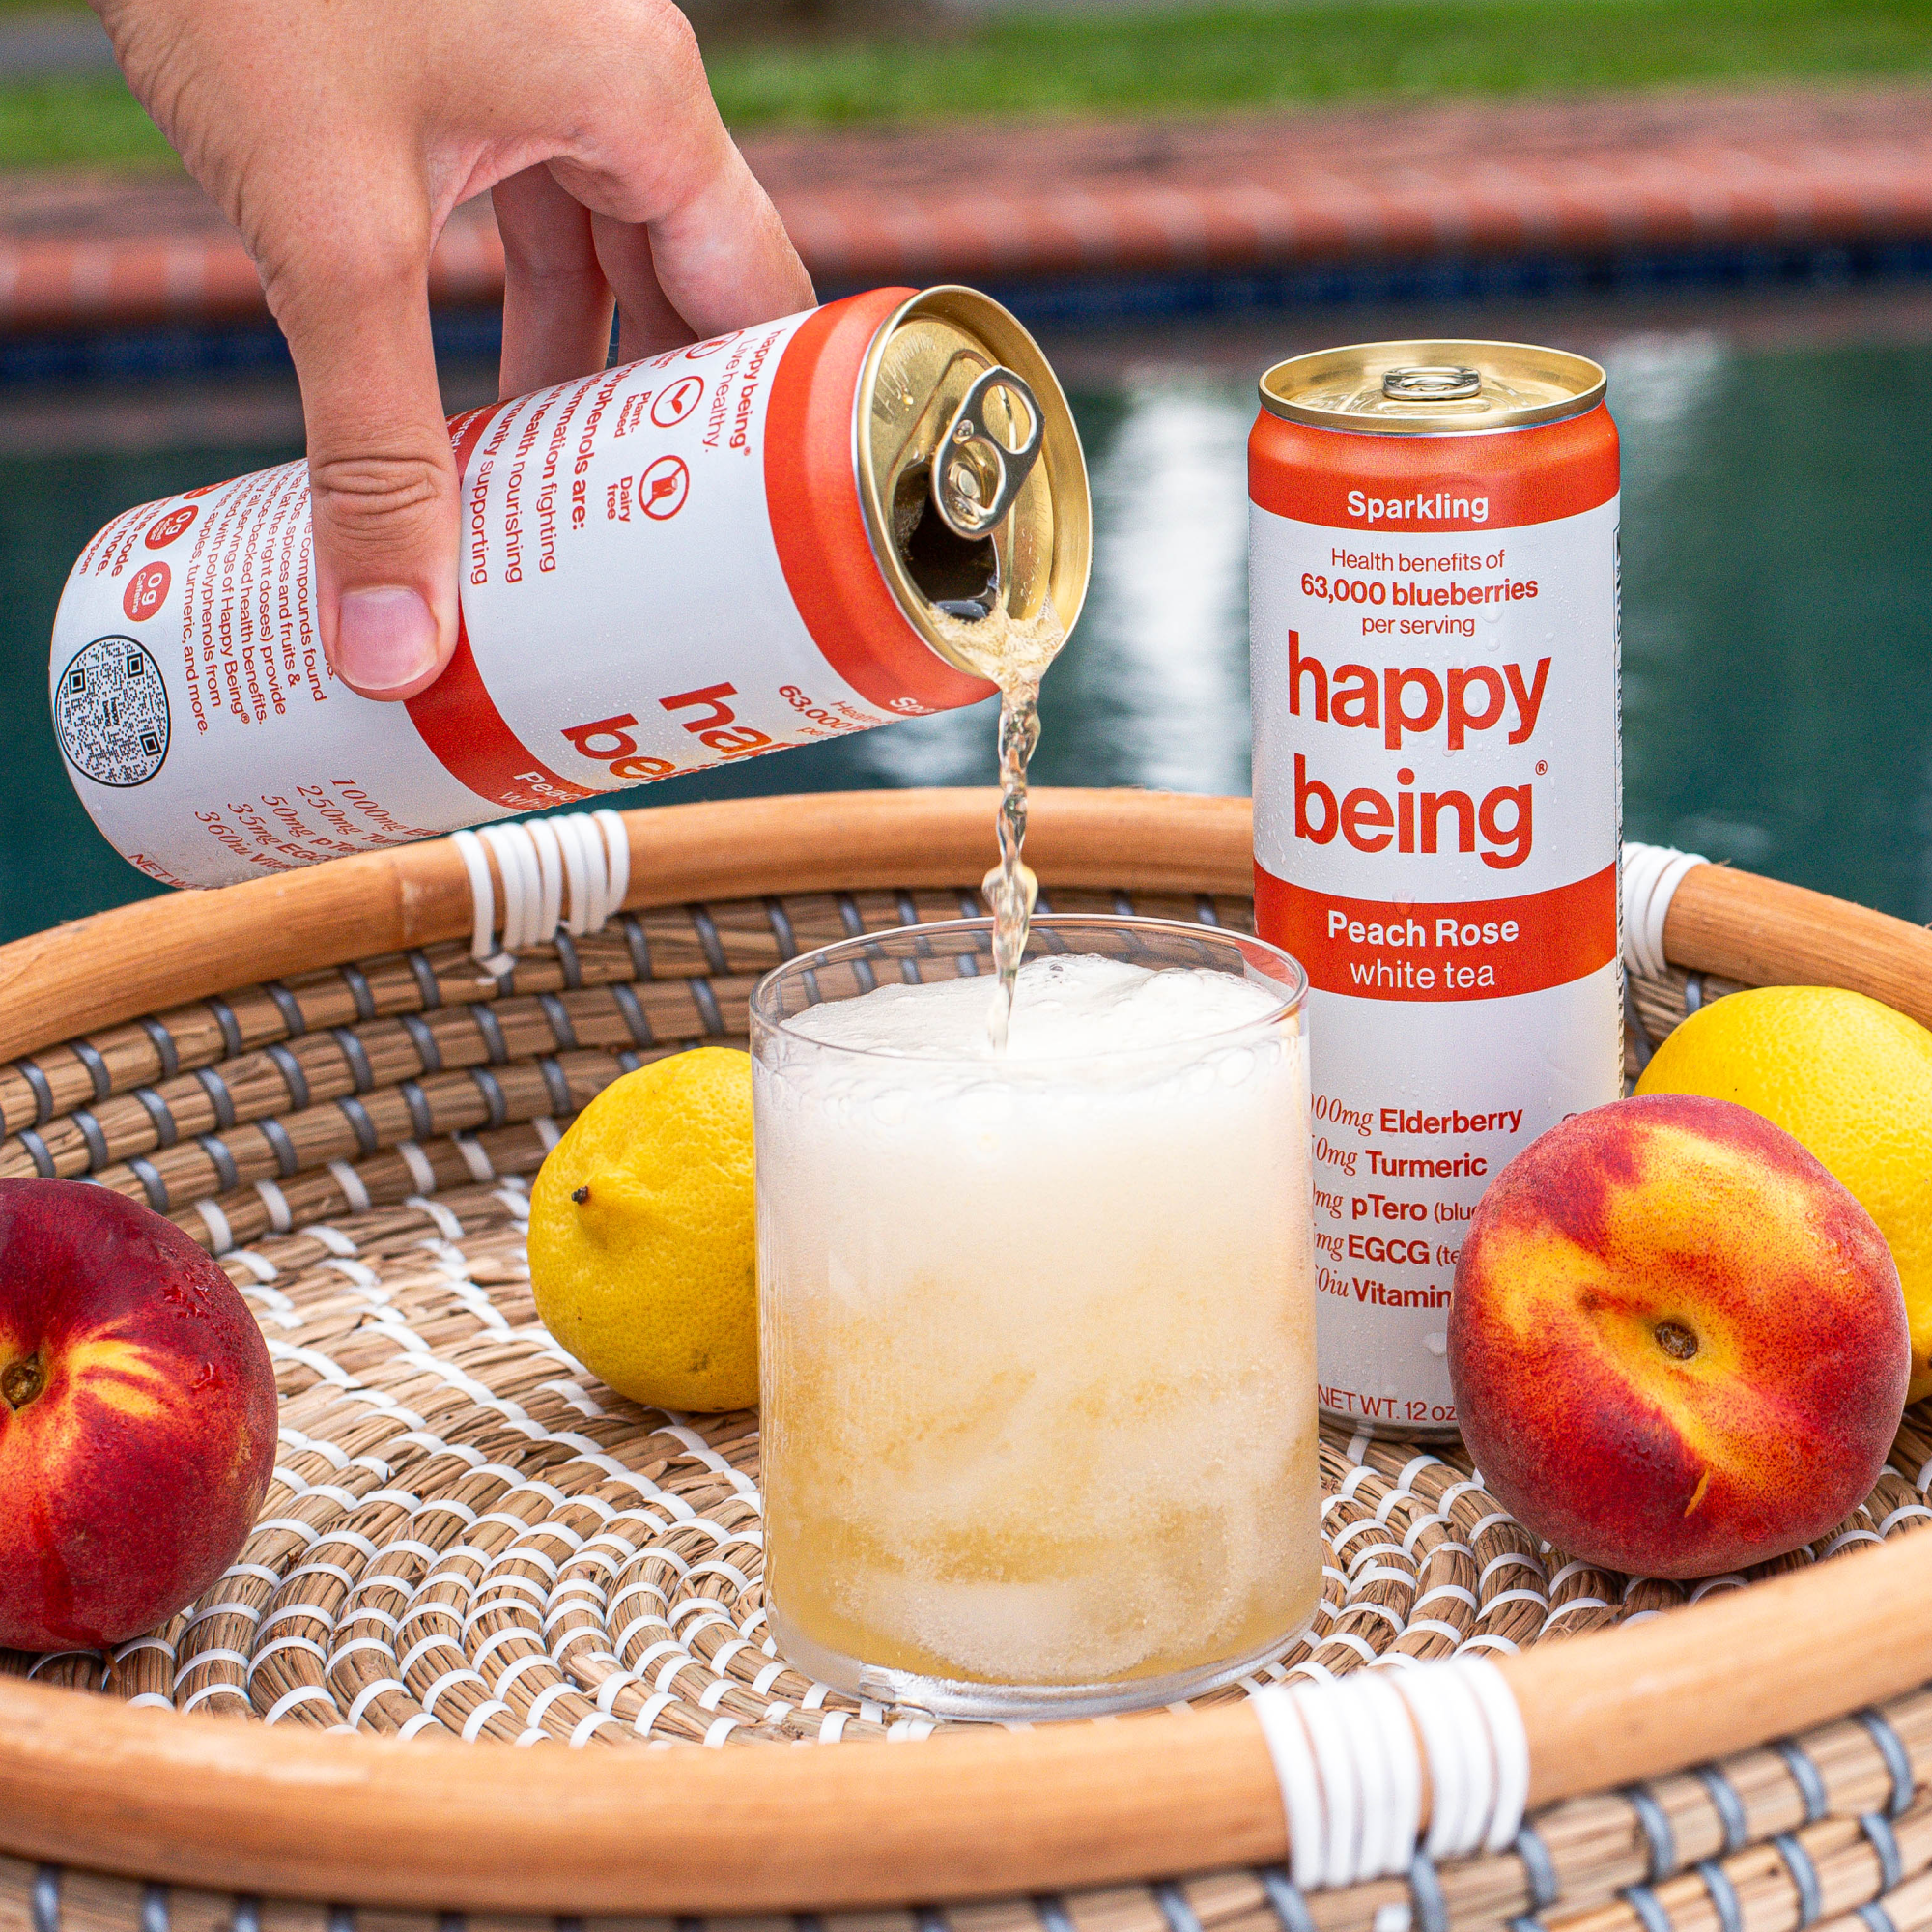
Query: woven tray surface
pixel 467 1532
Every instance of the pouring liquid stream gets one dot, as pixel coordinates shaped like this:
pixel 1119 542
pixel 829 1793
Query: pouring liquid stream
pixel 1010 887
pixel 1014 653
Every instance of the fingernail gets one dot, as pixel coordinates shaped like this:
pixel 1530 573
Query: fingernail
pixel 384 637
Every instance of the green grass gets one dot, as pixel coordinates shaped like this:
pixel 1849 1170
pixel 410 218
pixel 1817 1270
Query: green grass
pixel 1258 56
pixel 69 121
pixel 1245 56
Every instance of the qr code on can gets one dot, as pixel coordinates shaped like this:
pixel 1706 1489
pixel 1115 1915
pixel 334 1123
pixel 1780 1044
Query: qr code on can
pixel 111 712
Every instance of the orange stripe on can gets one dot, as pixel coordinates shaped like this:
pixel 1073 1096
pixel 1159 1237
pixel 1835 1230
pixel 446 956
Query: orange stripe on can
pixel 812 488
pixel 459 722
pixel 1518 475
pixel 1418 950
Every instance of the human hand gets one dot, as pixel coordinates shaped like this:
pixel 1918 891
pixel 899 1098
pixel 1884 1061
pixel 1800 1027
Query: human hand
pixel 338 136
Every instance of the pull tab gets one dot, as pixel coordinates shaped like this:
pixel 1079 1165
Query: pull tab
pixel 975 475
pixel 1433 383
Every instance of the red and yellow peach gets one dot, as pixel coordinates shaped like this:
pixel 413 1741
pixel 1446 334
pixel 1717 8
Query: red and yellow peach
pixel 137 1417
pixel 1678 1345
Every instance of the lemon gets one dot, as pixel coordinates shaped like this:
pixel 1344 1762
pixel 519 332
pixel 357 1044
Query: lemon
pixel 1851 1080
pixel 643 1250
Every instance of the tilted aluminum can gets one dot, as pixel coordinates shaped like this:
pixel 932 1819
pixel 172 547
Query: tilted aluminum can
pixel 772 538
pixel 1438 804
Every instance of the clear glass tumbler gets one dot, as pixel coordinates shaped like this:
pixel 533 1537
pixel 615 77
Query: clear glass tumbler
pixel 1036 1331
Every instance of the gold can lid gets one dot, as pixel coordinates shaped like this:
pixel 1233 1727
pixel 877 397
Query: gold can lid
pixel 1432 388
pixel 972 482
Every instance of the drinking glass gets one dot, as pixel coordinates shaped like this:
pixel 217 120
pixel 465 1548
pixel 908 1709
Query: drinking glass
pixel 1037 1336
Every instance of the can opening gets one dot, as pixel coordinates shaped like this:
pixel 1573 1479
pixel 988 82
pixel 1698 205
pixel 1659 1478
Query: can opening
pixel 971 480
pixel 957 575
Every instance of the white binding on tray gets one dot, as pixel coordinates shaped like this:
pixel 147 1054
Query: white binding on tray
pixel 580 860
pixel 1651 876
pixel 1346 1759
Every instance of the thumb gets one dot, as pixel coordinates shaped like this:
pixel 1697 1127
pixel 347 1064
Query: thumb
pixel 382 484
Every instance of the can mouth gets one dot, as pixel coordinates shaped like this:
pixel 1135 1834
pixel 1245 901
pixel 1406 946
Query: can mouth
pixel 959 575
pixel 972 479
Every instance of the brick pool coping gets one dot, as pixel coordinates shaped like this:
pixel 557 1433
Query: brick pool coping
pixel 1586 178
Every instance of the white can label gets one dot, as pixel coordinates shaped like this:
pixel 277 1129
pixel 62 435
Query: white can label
pixel 639 598
pixel 1436 836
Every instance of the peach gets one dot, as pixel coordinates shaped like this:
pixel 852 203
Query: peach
pixel 137 1417
pixel 1678 1345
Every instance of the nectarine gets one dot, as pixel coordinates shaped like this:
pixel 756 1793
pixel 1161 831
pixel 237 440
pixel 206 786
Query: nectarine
pixel 1678 1345
pixel 137 1417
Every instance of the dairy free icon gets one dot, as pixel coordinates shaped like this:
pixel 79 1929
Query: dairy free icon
pixel 663 488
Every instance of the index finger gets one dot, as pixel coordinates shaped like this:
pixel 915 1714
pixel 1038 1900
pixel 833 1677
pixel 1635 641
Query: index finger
pixel 722 255
pixel 659 162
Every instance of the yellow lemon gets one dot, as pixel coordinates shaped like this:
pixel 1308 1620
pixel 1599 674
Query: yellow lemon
pixel 1851 1081
pixel 643 1251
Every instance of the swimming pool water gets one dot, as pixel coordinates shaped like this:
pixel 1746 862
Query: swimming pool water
pixel 1777 594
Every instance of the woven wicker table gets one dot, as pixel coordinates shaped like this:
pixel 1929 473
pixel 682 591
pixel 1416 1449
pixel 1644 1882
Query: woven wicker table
pixel 470 1539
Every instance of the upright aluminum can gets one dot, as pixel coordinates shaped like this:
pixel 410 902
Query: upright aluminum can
pixel 1438 804
pixel 798 531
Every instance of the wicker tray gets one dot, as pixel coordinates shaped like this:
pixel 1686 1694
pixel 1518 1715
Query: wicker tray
pixel 468 1538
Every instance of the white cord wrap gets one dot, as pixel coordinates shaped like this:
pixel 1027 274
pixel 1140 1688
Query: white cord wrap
pixel 1351 1772
pixel 571 871
pixel 1651 876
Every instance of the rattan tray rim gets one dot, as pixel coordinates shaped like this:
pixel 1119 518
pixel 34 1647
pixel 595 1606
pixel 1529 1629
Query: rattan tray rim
pixel 198 1801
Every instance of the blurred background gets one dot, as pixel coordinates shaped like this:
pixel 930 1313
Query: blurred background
pixel 1730 205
